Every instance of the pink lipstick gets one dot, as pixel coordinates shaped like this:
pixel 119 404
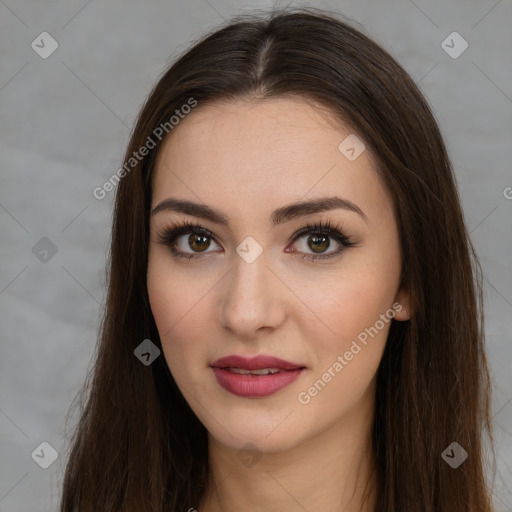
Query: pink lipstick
pixel 255 377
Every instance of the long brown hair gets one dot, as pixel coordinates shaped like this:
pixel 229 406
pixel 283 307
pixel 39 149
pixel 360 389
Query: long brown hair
pixel 137 445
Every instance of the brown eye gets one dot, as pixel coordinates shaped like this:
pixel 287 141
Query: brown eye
pixel 198 243
pixel 313 241
pixel 189 241
pixel 318 243
pixel 186 241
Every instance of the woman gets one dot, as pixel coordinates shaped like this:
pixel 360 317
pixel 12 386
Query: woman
pixel 294 316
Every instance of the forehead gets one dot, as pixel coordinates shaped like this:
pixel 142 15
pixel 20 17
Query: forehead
pixel 255 155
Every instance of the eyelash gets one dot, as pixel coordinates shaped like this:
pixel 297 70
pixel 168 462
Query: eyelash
pixel 168 235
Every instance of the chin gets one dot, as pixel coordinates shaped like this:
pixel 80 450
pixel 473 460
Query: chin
pixel 264 438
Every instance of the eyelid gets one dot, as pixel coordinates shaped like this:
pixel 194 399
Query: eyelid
pixel 169 234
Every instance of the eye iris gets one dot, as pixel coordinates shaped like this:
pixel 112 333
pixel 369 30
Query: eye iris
pixel 203 245
pixel 319 242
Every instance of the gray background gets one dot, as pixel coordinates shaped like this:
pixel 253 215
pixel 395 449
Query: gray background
pixel 65 121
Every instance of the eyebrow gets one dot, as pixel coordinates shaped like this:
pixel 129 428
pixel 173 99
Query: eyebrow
pixel 279 216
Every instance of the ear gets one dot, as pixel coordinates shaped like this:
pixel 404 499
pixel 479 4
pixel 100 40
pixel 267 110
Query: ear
pixel 402 306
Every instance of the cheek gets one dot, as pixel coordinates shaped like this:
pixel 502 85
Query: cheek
pixel 350 308
pixel 179 308
pixel 170 295
pixel 347 313
pixel 162 295
pixel 347 356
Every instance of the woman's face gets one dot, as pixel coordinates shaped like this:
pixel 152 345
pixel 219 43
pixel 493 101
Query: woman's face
pixel 250 288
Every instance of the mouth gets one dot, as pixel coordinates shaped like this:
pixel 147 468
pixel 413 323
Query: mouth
pixel 256 377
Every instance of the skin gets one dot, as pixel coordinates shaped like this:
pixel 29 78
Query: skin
pixel 248 158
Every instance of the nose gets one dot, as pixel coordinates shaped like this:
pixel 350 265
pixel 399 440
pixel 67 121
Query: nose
pixel 253 299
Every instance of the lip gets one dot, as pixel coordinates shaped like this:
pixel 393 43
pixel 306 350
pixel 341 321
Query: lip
pixel 255 363
pixel 255 386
